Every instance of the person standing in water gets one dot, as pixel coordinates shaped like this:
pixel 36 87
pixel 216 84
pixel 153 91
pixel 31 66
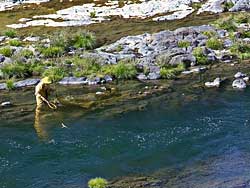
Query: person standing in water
pixel 42 92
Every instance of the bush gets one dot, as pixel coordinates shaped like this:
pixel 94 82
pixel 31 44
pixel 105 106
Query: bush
pixel 6 51
pixel 86 66
pixel 15 42
pixel 171 72
pixel 55 73
pixel 226 23
pixel 245 34
pixel 52 51
pixel 183 44
pixel 93 14
pixel 228 5
pixel 16 70
pixel 209 33
pixel 122 70
pixel 241 50
pixel 10 33
pixel 97 183
pixel 61 39
pixel 214 44
pixel 242 18
pixel 84 40
pixel 10 84
pixel 201 59
pixel 26 53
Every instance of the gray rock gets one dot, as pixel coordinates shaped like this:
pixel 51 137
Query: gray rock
pixel 154 75
pixel 3 86
pixel 26 83
pixel 239 75
pixel 31 39
pixel 2 38
pixel 240 5
pixel 5 104
pixel 73 81
pixel 108 78
pixel 228 43
pixel 215 83
pixel 142 77
pixel 93 81
pixel 239 84
pixel 2 58
pixel 187 59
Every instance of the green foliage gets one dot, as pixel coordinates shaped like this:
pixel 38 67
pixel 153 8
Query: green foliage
pixel 27 53
pixel 16 70
pixel 209 33
pixel 196 6
pixel 228 5
pixel 93 14
pixel 122 70
pixel 183 44
pixel 241 50
pixel 214 44
pixel 163 60
pixel 227 23
pixel 97 183
pixel 84 40
pixel 61 39
pixel 15 42
pixel 171 72
pixel 245 34
pixel 55 73
pixel 242 17
pixel 6 51
pixel 201 58
pixel 10 84
pixel 86 66
pixel 52 51
pixel 10 33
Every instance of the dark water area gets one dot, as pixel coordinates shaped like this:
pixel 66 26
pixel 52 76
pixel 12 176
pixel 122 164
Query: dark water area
pixel 167 134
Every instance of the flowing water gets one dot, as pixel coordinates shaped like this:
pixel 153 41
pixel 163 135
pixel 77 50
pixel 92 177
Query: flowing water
pixel 36 152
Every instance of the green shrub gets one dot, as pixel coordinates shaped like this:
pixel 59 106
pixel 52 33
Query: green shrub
pixel 27 53
pixel 245 34
pixel 214 44
pixel 97 183
pixel 84 40
pixel 209 33
pixel 52 51
pixel 241 50
pixel 86 66
pixel 122 70
pixel 201 58
pixel 226 23
pixel 6 51
pixel 61 39
pixel 183 44
pixel 10 84
pixel 10 33
pixel 16 70
pixel 228 5
pixel 15 42
pixel 171 72
pixel 93 14
pixel 242 17
pixel 55 73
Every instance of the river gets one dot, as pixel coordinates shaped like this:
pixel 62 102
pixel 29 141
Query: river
pixel 210 132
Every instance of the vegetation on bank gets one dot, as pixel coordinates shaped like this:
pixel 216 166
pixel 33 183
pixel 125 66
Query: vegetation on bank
pixel 65 54
pixel 97 183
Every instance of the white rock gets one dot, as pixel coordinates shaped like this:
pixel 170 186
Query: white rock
pixel 239 84
pixel 215 83
pixel 239 75
pixel 7 103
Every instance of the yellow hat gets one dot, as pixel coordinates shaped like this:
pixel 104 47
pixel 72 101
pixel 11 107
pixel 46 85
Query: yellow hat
pixel 46 80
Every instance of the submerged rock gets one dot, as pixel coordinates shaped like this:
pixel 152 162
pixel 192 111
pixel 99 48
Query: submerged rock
pixel 5 104
pixel 239 84
pixel 215 83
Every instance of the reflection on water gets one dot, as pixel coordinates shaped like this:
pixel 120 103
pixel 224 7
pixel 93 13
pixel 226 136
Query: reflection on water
pixel 167 133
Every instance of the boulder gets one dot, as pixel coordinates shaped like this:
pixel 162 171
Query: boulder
pixel 3 86
pixel 5 104
pixel 239 75
pixel 240 5
pixel 25 83
pixel 239 84
pixel 187 59
pixel 108 78
pixel 154 75
pixel 215 83
pixel 142 77
pixel 73 81
pixel 93 81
